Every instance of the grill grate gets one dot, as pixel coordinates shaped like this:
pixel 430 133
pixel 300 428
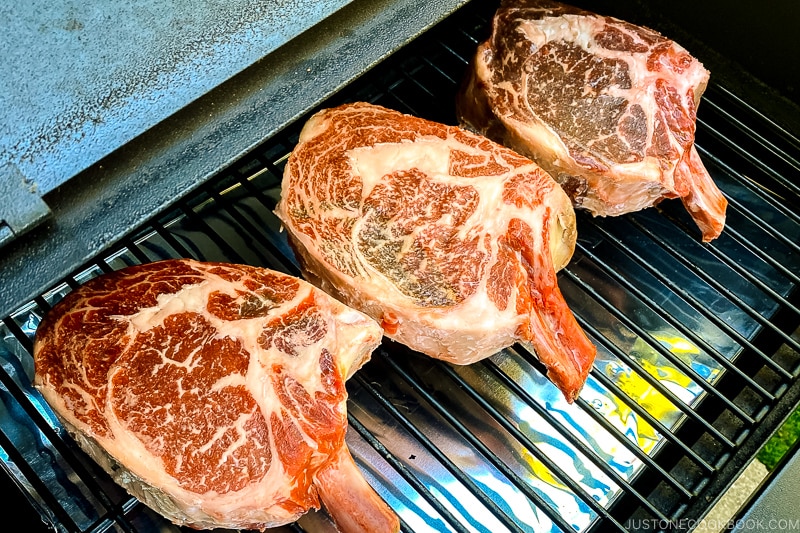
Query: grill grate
pixel 698 345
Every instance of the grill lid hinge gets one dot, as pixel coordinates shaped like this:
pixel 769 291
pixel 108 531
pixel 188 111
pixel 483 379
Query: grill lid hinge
pixel 21 207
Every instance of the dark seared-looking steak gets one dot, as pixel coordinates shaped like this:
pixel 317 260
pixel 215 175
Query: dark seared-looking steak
pixel 213 392
pixel 607 107
pixel 450 240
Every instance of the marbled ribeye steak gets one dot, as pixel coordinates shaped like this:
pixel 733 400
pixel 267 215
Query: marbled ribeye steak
pixel 606 107
pixel 213 392
pixel 450 240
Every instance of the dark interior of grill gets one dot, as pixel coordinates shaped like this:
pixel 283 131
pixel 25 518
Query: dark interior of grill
pixel 698 344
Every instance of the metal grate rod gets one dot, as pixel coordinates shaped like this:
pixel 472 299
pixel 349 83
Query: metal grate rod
pixel 775 129
pixel 653 381
pixel 257 236
pixel 653 421
pixel 746 274
pixel 170 239
pixel 551 466
pixel 198 221
pixel 602 465
pixel 641 411
pixel 19 335
pixel 137 252
pixel 44 307
pixel 753 160
pixel 757 221
pixel 442 458
pixel 403 470
pixel 737 236
pixel 724 326
pixel 632 447
pixel 729 294
pixel 636 291
pixel 485 451
pixel 33 477
pixel 58 444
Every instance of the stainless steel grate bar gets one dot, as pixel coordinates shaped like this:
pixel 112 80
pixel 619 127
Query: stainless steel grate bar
pixel 775 133
pixel 758 162
pixel 566 435
pixel 646 415
pixel 735 234
pixel 554 468
pixel 691 335
pixel 770 231
pixel 729 294
pixel 723 325
pixel 653 381
pixel 651 464
pixel 702 382
pixel 443 459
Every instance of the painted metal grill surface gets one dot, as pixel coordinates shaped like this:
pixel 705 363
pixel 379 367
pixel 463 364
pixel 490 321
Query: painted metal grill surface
pixel 698 345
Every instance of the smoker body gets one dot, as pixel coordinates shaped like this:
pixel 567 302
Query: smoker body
pixel 699 350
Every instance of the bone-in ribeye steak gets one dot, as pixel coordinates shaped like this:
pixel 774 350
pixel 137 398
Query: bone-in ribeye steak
pixel 450 240
pixel 606 107
pixel 214 393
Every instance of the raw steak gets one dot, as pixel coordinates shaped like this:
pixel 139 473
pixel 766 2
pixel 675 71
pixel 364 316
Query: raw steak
pixel 214 393
pixel 450 240
pixel 606 107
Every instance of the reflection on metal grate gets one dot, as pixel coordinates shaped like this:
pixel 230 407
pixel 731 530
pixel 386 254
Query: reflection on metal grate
pixel 698 346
